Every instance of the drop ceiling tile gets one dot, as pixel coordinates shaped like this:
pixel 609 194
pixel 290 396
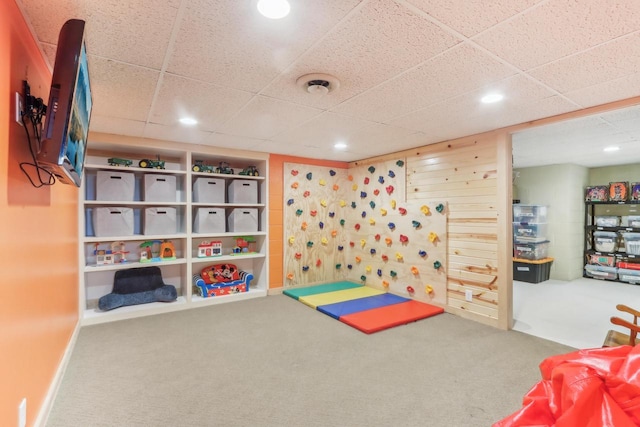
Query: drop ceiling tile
pixel 378 138
pixel 121 90
pixel 233 45
pixel 376 42
pixel 116 126
pixel 238 142
pixel 115 30
pixel 323 131
pixel 609 91
pixel 179 134
pixel 461 69
pixel 559 28
pixel 211 105
pixel 47 20
pixel 610 61
pixel 472 16
pixel 264 117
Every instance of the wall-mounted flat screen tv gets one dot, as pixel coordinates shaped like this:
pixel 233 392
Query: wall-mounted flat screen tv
pixel 64 141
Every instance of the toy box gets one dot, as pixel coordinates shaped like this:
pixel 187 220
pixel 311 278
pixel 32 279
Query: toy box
pixel 529 214
pixel 159 188
pixel 607 221
pixel 600 272
pixel 208 190
pixel 529 232
pixel 112 221
pixel 532 271
pixel 243 220
pixel 160 221
pixel 605 241
pixel 209 220
pixel 604 260
pixel 629 276
pixel 115 186
pixel 531 250
pixel 243 191
pixel 633 221
pixel 618 191
pixel 634 191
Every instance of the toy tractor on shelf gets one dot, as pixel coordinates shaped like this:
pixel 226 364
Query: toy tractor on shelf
pixel 152 164
pixel 224 167
pixel 115 161
pixel 200 166
pixel 250 171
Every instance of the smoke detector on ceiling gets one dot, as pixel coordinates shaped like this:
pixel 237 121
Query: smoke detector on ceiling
pixel 318 83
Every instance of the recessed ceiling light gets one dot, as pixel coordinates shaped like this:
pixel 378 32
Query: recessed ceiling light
pixel 274 9
pixel 340 145
pixel 610 149
pixel 491 98
pixel 189 121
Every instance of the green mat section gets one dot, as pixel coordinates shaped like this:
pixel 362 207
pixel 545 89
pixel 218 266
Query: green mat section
pixel 320 289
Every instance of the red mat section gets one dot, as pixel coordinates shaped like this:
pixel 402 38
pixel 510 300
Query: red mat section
pixel 377 319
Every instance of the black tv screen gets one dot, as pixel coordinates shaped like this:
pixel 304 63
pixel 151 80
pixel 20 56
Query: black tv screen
pixel 66 128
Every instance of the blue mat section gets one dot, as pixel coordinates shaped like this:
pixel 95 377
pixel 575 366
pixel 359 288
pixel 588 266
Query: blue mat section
pixel 361 304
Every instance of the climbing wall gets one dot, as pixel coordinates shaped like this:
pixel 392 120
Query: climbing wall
pixel 357 224
pixel 314 218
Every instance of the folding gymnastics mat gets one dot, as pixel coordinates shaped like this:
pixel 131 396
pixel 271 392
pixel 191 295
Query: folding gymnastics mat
pixel 366 309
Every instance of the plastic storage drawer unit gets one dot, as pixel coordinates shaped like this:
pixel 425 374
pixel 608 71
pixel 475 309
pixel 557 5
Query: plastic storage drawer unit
pixel 600 272
pixel 529 214
pixel 531 251
pixel 605 241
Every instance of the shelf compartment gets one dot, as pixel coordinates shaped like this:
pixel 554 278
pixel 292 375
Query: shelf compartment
pixel 95 316
pixel 124 266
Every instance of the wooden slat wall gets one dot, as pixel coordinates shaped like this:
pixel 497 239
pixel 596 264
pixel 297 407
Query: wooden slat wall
pixel 473 176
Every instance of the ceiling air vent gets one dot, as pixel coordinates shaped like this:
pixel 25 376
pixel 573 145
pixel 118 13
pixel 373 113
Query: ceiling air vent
pixel 318 84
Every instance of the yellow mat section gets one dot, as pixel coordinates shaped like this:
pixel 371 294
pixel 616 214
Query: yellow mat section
pixel 314 301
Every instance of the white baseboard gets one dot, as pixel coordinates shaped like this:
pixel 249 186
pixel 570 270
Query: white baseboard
pixel 43 414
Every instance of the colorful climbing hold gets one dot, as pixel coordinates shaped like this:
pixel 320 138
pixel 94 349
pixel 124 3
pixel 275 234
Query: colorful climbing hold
pixel 332 172
pixel 363 214
pixel 400 163
pixel 363 242
pixel 318 262
pixel 379 272
pixel 342 221
pixel 376 192
pixel 340 247
pixel 291 240
pixel 349 266
pixel 306 193
pixel 289 202
pixel 350 177
pixel 372 204
pixel 332 214
pixel 433 237
pixel 324 241
pixel 415 271
pixel 371 169
pixel 335 187
pixel 391 225
pixel 393 204
pixel 389 189
pixel 343 203
pixel 313 213
pixel 338 266
pixel 415 224
pixel 428 289
pixel 372 251
pixel 354 187
pixel 381 179
pixel 383 211
pixel 399 256
pixel 377 237
pixel 422 253
pixel 294 172
pixel 402 211
pixel 410 289
pixel 363 194
pixel 322 182
pixel 366 180
pixel 388 241
pixel 334 233
pixel 372 221
pixel 425 209
pixel 323 203
pixel 385 284
pixel 357 227
pixel 294 185
pixel 289 276
pixel 309 244
pixel 305 268
pixel 303 226
pixel 363 278
pixel 440 208
pixel 368 269
pixel 352 244
pixel 298 255
pixel 393 273
pixel 437 265
pixel 353 205
pixel 403 238
pixel 309 176
pixel 384 257
pixel 321 225
pixel 392 174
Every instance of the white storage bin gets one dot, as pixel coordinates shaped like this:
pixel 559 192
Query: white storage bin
pixel 605 241
pixel 159 188
pixel 243 220
pixel 629 276
pixel 108 222
pixel 600 272
pixel 529 214
pixel 632 243
pixel 210 220
pixel 208 190
pixel 160 221
pixel 607 221
pixel 633 221
pixel 529 232
pixel 114 185
pixel 243 191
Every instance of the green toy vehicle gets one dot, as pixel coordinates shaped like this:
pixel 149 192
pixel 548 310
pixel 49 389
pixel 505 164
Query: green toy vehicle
pixel 200 166
pixel 152 164
pixel 224 167
pixel 115 161
pixel 250 171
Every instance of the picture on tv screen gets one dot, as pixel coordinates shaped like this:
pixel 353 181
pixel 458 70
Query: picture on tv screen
pixel 78 127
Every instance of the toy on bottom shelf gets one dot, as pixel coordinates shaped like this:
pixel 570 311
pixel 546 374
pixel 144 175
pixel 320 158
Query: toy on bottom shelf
pixel 157 251
pixel 209 249
pixel 244 245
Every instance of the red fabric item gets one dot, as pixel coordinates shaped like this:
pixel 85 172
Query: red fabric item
pixel 586 388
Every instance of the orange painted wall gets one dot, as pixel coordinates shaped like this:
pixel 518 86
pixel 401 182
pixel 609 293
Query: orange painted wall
pixel 276 202
pixel 39 241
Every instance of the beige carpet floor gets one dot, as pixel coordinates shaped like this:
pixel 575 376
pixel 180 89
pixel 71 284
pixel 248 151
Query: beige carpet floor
pixel 276 362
